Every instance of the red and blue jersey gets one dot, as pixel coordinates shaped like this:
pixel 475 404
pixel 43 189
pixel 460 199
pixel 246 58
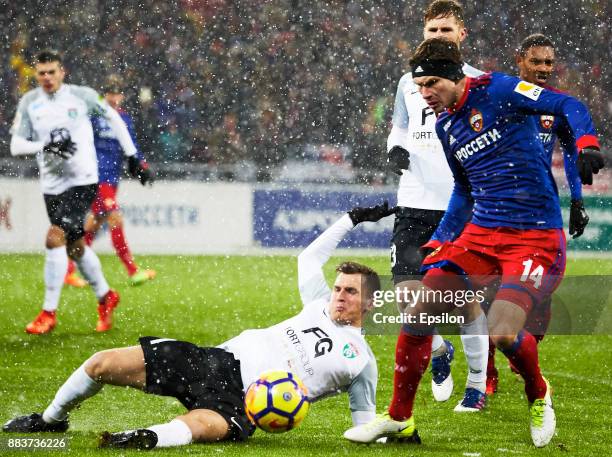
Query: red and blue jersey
pixel 108 149
pixel 550 128
pixel 493 147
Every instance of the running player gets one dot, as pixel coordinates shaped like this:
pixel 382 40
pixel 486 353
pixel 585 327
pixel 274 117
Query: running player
pixel 52 122
pixel 415 153
pixel 105 208
pixel 535 60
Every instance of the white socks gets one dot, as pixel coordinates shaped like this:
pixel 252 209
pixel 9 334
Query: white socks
pixel 174 433
pixel 78 387
pixel 437 345
pixel 475 339
pixel 91 269
pixel 56 264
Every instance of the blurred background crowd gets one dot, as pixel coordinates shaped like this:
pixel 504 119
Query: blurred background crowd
pixel 256 89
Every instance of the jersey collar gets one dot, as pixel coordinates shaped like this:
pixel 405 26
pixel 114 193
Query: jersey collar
pixel 55 94
pixel 457 106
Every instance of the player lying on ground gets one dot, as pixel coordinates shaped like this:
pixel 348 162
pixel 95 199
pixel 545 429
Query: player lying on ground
pixel 503 219
pixel 52 122
pixel 426 183
pixel 110 167
pixel 210 382
pixel 535 60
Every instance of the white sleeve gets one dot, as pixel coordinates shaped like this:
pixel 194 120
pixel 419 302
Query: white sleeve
pixel 311 280
pixel 362 393
pixel 399 130
pixel 121 132
pixel 21 146
pixel 397 137
pixel 21 130
pixel 96 105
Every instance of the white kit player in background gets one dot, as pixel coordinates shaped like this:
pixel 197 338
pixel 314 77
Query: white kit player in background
pixel 426 183
pixel 323 345
pixel 53 122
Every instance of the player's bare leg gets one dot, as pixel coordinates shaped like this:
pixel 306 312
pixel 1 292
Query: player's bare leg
pixel 196 426
pixel 56 262
pixel 118 367
pixel 506 321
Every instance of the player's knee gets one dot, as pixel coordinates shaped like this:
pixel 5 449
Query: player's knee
pixel 99 365
pixel 503 341
pixel 206 426
pixel 76 249
pixel 55 237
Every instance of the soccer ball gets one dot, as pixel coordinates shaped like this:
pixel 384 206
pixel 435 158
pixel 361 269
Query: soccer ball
pixel 277 401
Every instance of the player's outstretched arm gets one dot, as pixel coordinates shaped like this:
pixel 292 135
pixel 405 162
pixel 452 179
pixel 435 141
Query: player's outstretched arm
pixel 98 106
pixel 311 280
pixel 531 99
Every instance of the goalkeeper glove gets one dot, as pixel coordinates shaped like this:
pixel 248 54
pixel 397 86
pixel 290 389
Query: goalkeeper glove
pixel 140 169
pixel 590 161
pixel 371 214
pixel 398 159
pixel 61 144
pixel 578 218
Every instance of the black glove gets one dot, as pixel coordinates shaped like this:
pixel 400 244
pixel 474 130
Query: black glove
pixel 371 214
pixel 590 161
pixel 140 169
pixel 61 144
pixel 398 159
pixel 578 218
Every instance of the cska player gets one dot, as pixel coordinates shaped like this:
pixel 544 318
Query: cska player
pixel 535 60
pixel 110 166
pixel 503 218
pixel 426 183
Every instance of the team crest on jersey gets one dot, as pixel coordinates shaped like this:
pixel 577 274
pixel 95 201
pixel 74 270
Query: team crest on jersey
pixel 350 351
pixel 72 113
pixel 547 121
pixel 476 120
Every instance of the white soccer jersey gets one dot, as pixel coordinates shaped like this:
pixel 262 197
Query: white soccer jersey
pixel 428 183
pixel 70 107
pixel 329 357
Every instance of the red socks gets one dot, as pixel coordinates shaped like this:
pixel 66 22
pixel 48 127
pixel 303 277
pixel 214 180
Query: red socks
pixel 412 355
pixel 491 370
pixel 123 252
pixel 524 356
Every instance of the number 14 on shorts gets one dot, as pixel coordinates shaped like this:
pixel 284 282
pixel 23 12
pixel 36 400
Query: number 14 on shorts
pixel 534 274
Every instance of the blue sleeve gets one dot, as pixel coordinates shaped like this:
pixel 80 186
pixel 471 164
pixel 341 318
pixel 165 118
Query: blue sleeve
pixel 130 126
pixel 527 98
pixel 570 159
pixel 461 203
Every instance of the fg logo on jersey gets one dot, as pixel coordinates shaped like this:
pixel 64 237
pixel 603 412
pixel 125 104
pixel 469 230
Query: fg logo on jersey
pixel 476 120
pixel 547 121
pixel 72 113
